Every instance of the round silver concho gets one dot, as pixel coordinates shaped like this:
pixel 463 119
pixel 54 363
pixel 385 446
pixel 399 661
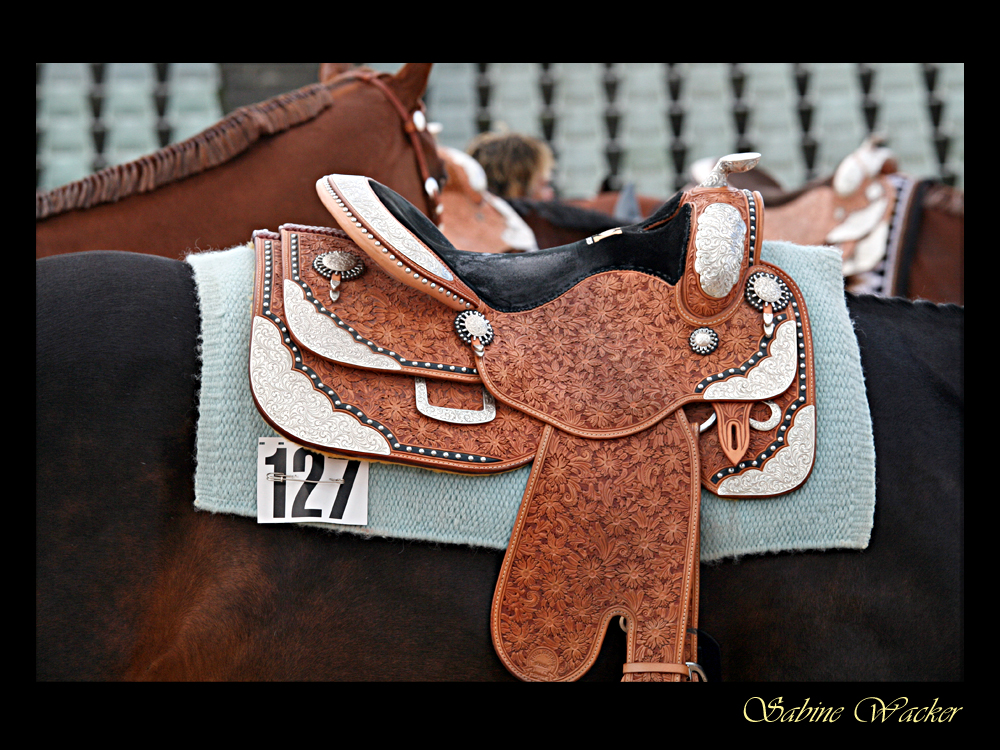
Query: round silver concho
pixel 473 325
pixel 703 341
pixel 766 288
pixel 348 265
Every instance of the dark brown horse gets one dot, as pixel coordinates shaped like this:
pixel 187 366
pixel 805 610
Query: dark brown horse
pixel 132 583
pixel 255 168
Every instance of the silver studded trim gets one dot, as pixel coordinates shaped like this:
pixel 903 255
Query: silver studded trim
pixel 369 208
pixel 288 397
pixel 355 357
pixel 293 366
pixel 321 334
pixel 703 341
pixel 786 470
pixel 769 377
pixel 752 211
pixel 792 336
pixel 767 288
pixel 473 325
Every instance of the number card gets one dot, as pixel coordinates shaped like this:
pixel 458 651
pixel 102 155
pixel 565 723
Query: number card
pixel 297 485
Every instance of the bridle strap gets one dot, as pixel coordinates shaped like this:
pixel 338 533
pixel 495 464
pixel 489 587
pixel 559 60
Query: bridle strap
pixel 412 131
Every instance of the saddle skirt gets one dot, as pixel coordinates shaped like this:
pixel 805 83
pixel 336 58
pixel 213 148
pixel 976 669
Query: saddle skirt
pixel 632 368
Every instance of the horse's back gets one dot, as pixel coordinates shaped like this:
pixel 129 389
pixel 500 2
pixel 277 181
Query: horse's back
pixel 115 363
pixel 132 582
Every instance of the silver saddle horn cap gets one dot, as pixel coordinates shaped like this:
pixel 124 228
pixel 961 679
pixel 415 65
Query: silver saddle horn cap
pixel 731 163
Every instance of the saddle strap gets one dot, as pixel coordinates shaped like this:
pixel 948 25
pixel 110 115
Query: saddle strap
pixel 682 669
pixel 607 528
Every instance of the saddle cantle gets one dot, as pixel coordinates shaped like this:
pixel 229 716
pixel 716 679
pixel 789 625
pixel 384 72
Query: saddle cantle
pixel 633 368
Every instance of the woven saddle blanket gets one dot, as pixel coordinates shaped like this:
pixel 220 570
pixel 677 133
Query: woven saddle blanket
pixel 833 510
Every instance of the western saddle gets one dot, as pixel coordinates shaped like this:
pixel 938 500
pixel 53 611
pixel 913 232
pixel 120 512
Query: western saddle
pixel 633 368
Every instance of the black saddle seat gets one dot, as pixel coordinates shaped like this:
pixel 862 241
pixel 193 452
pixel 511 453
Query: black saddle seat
pixel 512 282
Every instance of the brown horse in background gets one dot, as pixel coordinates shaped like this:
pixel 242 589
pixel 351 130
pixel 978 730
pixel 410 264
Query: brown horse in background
pixel 929 262
pixel 254 169
pixel 931 255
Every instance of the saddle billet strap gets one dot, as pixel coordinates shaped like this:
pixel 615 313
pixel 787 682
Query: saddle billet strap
pixel 606 529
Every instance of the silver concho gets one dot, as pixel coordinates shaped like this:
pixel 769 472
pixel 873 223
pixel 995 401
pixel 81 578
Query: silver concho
pixel 766 288
pixel 347 265
pixel 703 341
pixel 338 265
pixel 473 325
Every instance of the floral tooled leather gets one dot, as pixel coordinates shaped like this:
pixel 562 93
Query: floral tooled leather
pixel 606 529
pixel 388 399
pixel 611 354
pixel 381 308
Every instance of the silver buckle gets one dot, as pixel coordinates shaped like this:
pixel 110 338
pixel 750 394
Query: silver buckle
pixel 693 667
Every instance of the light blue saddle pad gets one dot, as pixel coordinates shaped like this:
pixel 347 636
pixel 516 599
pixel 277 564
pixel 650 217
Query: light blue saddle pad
pixel 833 509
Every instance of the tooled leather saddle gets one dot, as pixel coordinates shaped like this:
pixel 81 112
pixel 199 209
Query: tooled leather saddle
pixel 633 368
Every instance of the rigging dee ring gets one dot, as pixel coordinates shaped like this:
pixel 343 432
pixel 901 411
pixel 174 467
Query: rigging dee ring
pixel 769 423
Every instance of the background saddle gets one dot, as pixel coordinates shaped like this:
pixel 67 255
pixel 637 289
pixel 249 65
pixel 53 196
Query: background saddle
pixel 633 368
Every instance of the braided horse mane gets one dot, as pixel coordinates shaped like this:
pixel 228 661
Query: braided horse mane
pixel 218 144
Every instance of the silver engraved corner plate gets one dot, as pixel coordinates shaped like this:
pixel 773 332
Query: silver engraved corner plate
pixel 786 469
pixel 770 377
pixel 289 400
pixel 719 245
pixel 321 334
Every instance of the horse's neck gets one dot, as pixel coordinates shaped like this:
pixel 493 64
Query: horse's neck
pixel 217 208
pixel 269 184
